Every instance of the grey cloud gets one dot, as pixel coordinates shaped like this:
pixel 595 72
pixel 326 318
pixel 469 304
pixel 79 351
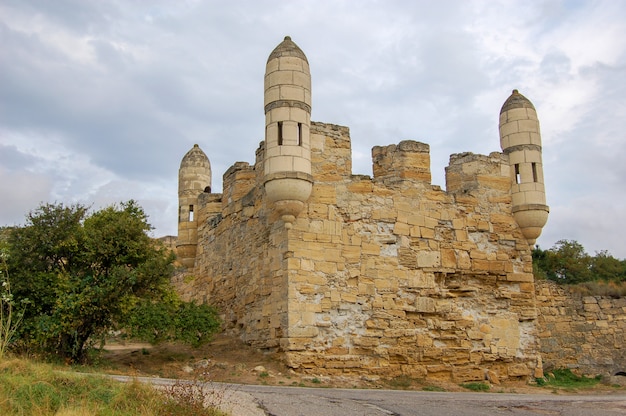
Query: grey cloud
pixel 26 191
pixel 165 75
pixel 12 160
pixel 555 67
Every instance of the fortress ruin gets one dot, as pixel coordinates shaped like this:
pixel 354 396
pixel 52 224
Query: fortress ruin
pixel 386 275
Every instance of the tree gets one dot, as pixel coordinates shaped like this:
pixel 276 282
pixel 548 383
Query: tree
pixel 567 262
pixel 9 317
pixel 84 272
pixel 606 267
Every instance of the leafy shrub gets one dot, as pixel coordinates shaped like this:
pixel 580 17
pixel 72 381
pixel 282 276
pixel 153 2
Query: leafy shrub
pixel 172 321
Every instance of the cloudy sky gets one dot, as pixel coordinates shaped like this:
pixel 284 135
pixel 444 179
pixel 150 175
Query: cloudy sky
pixel 99 100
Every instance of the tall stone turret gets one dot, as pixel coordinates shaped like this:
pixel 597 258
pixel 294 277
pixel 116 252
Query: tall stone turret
pixel 194 178
pixel 520 139
pixel 287 173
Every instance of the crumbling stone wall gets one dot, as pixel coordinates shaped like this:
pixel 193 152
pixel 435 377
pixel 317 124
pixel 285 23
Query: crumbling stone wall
pixel 386 275
pixel 585 333
pixel 392 275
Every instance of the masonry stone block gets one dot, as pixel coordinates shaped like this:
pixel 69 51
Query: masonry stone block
pixel 382 275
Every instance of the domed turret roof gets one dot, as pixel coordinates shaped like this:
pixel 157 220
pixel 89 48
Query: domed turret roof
pixel 287 48
pixel 195 157
pixel 516 100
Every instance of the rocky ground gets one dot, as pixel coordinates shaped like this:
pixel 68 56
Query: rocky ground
pixel 226 359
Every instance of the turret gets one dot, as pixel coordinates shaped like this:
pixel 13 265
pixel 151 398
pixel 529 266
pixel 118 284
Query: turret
pixel 520 139
pixel 194 178
pixel 287 173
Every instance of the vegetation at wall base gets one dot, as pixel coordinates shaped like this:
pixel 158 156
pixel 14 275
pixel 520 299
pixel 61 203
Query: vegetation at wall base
pixel 172 320
pixel 28 388
pixel 566 379
pixel 402 382
pixel 433 388
pixel 476 386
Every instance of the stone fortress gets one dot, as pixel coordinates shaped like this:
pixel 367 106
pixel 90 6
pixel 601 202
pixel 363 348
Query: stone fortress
pixel 384 275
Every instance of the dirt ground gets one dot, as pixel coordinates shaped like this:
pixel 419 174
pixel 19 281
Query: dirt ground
pixel 227 359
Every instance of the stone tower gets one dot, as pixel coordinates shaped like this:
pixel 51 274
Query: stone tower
pixel 194 178
pixel 287 99
pixel 520 139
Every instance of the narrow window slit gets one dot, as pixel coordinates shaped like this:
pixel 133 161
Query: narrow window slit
pixel 190 212
pixel 517 174
pixel 299 134
pixel 280 133
pixel 534 165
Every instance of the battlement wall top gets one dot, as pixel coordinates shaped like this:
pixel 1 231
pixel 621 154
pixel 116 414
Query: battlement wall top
pixel 207 198
pixel 236 167
pixel 340 133
pixel 331 153
pixel 468 171
pixel 407 160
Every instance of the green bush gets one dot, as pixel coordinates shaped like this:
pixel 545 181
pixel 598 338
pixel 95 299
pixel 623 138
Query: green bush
pixel 172 321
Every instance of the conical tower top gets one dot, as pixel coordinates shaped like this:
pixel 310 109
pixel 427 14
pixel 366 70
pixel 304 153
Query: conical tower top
pixel 195 157
pixel 287 48
pixel 516 100
pixel 194 175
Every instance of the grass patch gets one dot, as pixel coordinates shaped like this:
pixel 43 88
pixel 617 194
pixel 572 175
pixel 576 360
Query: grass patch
pixel 564 378
pixel 433 388
pixel 400 382
pixel 475 386
pixel 28 388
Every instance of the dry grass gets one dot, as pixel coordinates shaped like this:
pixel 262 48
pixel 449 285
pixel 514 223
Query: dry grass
pixel 600 288
pixel 29 388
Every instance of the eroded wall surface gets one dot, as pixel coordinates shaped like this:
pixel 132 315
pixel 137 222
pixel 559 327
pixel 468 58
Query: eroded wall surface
pixel 386 275
pixel 584 333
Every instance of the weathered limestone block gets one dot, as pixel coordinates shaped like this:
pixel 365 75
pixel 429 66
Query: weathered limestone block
pixel 378 274
pixel 407 160
pixel 425 304
pixel 580 332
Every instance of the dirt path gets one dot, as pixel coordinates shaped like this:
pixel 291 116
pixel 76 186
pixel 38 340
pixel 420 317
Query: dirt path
pixel 227 360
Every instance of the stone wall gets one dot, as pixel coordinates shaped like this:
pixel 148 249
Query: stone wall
pixel 240 264
pixel 586 333
pixel 391 275
pixel 387 275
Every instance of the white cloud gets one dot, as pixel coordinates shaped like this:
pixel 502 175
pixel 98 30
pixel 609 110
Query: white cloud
pixel 100 100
